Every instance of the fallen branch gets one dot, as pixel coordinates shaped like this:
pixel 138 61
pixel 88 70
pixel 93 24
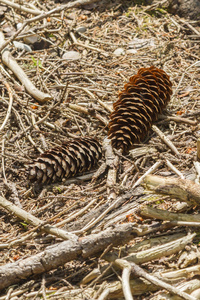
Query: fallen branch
pixel 11 63
pixel 153 242
pixel 174 169
pixel 142 151
pixel 141 273
pixel 156 252
pixel 93 214
pixel 142 286
pixel 197 166
pixel 180 274
pixel 189 287
pixel 138 287
pixel 138 247
pixel 178 119
pixel 183 189
pixel 126 266
pixel 160 214
pixel 66 251
pixel 30 219
pixel 100 217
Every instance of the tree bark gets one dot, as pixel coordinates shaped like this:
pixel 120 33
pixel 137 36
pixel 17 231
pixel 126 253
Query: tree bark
pixel 183 189
pixel 59 254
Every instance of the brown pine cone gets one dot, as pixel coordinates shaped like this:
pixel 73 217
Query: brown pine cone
pixel 71 158
pixel 142 99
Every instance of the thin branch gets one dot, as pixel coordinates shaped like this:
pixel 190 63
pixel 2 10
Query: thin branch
pixel 112 161
pixel 22 214
pixel 157 252
pixel 126 266
pixel 174 169
pixel 99 218
pixel 3 159
pixel 141 273
pixel 10 102
pixel 165 139
pixel 12 64
pixel 22 8
pixel 149 171
pixel 155 213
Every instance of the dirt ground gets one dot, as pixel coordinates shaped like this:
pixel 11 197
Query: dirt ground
pixel 111 41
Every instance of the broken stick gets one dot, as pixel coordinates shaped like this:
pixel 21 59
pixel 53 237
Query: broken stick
pixel 183 189
pixel 12 64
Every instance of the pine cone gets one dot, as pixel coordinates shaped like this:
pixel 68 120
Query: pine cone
pixel 69 159
pixel 142 99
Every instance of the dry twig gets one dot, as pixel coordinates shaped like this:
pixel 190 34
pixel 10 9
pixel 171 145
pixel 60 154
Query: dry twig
pixel 12 64
pixel 22 214
pixel 140 272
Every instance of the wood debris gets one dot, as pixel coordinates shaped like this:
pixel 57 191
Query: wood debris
pixel 108 233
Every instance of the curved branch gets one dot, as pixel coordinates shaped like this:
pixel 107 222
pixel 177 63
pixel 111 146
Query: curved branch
pixel 10 103
pixel 125 265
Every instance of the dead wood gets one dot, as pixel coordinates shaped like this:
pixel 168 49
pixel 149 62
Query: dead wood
pixel 95 213
pixel 30 219
pixel 59 254
pixel 113 289
pixel 138 287
pixel 112 161
pixel 10 102
pixel 22 8
pixel 160 214
pixel 182 273
pixel 12 64
pixel 145 256
pixel 156 252
pixel 129 267
pixel 190 287
pixel 183 189
pixel 112 40
pixel 141 273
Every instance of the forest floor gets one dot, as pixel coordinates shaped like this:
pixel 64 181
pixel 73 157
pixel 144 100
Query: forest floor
pixel 111 41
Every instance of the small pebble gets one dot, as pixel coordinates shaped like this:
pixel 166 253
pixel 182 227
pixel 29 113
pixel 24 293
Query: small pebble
pixel 22 46
pixel 31 39
pixel 73 55
pixel 19 25
pixel 119 51
pixel 81 29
